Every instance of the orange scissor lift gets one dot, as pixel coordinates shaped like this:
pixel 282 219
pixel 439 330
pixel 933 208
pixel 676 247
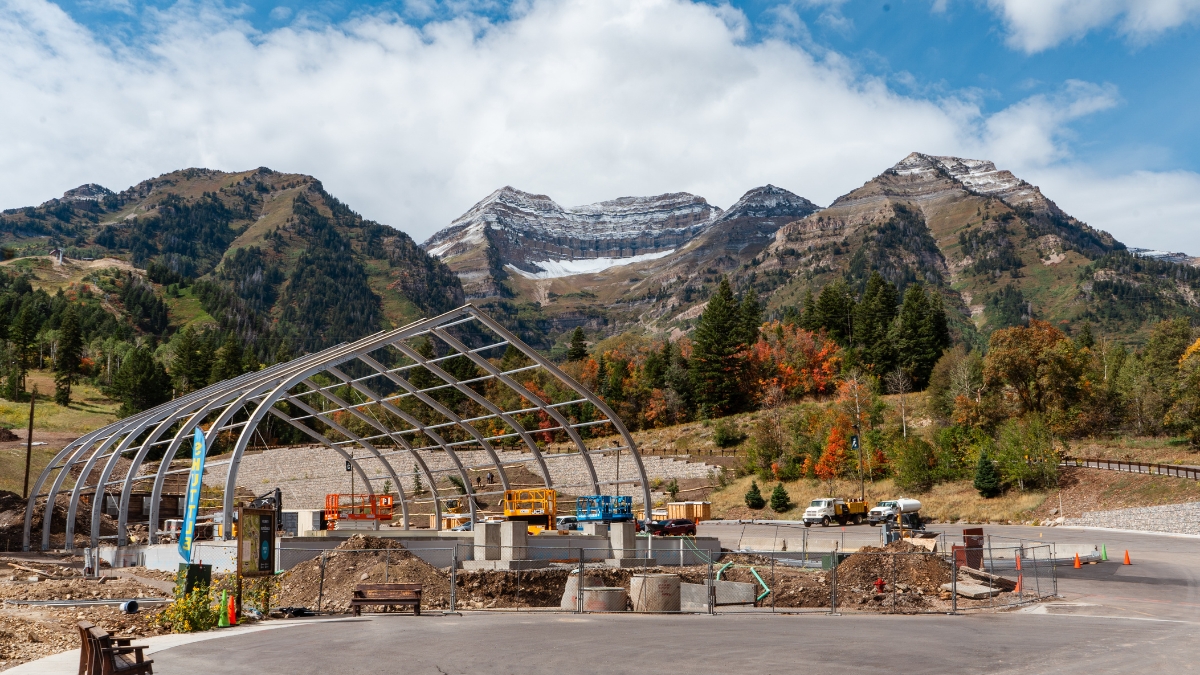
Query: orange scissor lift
pixel 356 508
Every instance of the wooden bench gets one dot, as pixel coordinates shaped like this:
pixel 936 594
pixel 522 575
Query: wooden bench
pixel 386 595
pixel 108 657
pixel 85 646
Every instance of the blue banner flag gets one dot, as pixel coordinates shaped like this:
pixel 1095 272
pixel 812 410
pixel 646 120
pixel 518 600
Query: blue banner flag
pixel 193 496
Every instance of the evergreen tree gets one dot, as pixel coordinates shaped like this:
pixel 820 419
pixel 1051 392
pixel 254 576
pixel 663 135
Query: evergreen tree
pixel 654 369
pixel 66 359
pixel 754 498
pixel 810 319
pixel 24 337
pixel 141 383
pixel 578 350
pixel 229 362
pixel 780 500
pixel 987 479
pixel 614 391
pixel 717 354
pixel 1085 339
pixel 921 334
pixel 750 313
pixel 873 322
pixel 835 312
pixel 192 362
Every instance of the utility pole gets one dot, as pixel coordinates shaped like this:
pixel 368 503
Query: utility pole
pixel 29 444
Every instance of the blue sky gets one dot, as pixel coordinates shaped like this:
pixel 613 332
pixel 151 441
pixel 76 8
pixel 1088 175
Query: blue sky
pixel 412 110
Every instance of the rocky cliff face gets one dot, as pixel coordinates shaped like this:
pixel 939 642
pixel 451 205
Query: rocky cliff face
pixel 531 234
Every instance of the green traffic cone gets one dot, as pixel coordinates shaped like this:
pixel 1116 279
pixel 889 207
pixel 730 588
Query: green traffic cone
pixel 1103 552
pixel 223 611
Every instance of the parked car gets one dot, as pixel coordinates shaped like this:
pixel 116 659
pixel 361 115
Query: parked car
pixel 568 523
pixel 673 528
pixel 465 527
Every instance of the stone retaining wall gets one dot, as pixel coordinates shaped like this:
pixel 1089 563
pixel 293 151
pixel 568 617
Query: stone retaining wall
pixel 1171 518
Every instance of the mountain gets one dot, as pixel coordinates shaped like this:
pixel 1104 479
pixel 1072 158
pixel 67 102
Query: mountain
pixel 994 244
pixel 547 268
pixel 270 256
pixel 995 247
pixel 531 232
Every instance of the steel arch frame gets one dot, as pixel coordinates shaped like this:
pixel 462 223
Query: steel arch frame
pixel 414 421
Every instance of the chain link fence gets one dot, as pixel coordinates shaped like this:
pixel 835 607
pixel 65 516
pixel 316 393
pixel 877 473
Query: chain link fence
pixel 947 574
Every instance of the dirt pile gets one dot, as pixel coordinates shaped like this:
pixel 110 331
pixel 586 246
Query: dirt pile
pixel 12 522
pixel 914 568
pixel 107 588
pixel 352 563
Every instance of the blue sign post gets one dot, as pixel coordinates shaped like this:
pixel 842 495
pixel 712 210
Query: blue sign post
pixel 193 496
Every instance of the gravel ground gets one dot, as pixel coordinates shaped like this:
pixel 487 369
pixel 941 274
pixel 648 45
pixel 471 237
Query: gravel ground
pixel 1173 518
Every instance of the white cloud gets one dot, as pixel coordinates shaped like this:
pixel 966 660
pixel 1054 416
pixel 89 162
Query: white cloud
pixel 1036 25
pixel 580 100
pixel 1142 208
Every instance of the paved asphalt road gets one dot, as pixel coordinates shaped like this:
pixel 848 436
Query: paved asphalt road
pixel 1142 618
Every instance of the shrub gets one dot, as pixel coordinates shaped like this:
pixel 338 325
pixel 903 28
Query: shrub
pixel 191 612
pixel 673 489
pixel 726 435
pixel 780 500
pixel 754 498
pixel 914 463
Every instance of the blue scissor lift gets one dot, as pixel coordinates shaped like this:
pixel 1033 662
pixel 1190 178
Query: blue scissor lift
pixel 604 509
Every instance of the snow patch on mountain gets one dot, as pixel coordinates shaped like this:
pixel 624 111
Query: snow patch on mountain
pixel 553 269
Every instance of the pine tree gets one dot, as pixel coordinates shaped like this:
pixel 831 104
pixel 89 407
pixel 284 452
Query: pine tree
pixel 716 363
pixel 754 498
pixel 780 500
pixel 1085 339
pixel 193 361
pixel 987 480
pixel 141 383
pixel 750 316
pixel 23 335
pixel 229 362
pixel 578 350
pixel 810 319
pixel 873 322
pixel 66 359
pixel 835 312
pixel 921 334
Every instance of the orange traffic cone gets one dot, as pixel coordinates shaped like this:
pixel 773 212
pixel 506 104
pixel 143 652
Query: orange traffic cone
pixel 232 612
pixel 1018 563
pixel 1077 565
pixel 1018 588
pixel 1127 557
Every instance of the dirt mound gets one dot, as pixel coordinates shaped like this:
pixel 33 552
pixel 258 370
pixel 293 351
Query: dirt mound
pixel 12 522
pixel 919 569
pixel 7 436
pixel 350 564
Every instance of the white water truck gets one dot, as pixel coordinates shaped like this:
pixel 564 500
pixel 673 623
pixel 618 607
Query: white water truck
pixel 886 511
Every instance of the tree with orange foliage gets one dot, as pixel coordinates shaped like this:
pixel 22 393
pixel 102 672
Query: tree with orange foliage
pixel 829 466
pixel 800 362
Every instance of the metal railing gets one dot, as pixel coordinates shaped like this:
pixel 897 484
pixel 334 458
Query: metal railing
pixel 1152 468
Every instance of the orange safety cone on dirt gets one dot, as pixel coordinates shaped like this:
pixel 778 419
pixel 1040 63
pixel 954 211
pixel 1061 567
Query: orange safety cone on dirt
pixel 1077 565
pixel 1018 563
pixel 1127 557
pixel 232 612
pixel 1019 580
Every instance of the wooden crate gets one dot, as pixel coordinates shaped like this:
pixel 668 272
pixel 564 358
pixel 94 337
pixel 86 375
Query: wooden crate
pixel 694 511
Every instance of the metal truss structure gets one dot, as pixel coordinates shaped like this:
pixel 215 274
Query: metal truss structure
pixel 391 394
